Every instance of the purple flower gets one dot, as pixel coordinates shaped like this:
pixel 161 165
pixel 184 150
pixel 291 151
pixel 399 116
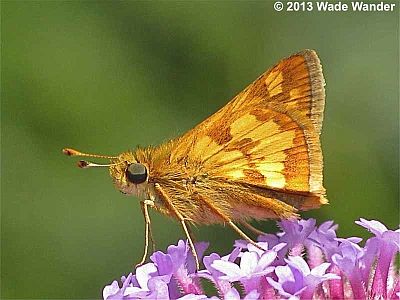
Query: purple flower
pixel 113 291
pixel 196 297
pixel 213 275
pixel 249 272
pixel 251 265
pixel 165 278
pixel 324 237
pixel 384 245
pixel 295 233
pixel 297 279
pixel 141 286
pixel 349 262
pixel 233 294
pixel 336 268
pixel 179 263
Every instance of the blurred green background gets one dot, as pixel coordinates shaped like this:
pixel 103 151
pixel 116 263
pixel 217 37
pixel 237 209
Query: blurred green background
pixel 106 76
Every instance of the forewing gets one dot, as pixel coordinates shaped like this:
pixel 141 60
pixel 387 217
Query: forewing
pixel 296 81
pixel 267 137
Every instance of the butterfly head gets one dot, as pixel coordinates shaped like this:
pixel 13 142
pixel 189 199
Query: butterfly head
pixel 129 176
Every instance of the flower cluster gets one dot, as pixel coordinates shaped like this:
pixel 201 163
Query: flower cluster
pixel 302 261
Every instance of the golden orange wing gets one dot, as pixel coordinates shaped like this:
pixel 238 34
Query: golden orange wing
pixel 296 81
pixel 266 140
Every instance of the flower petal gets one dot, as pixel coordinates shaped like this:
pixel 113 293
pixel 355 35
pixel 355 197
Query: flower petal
pixel 320 270
pixel 232 294
pixel 110 290
pixel 248 262
pixel 266 259
pixel 299 263
pixel 143 274
pixel 375 227
pixel 253 295
pixel 284 273
pixel 230 269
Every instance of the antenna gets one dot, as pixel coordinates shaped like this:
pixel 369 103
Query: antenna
pixel 73 152
pixel 83 164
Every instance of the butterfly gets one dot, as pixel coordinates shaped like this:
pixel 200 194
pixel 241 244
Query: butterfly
pixel 258 157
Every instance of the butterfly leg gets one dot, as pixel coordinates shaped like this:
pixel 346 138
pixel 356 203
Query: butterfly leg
pixel 147 233
pixel 167 198
pixel 189 228
pixel 150 203
pixel 243 235
pixel 252 228
pixel 208 202
pixel 191 244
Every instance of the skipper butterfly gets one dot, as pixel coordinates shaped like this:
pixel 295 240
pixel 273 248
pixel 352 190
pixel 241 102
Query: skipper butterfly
pixel 258 157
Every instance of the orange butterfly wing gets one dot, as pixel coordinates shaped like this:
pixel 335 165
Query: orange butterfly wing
pixel 267 137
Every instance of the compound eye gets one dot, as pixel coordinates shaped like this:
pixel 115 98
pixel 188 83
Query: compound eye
pixel 136 173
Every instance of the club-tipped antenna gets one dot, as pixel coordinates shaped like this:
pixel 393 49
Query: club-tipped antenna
pixel 73 152
pixel 84 164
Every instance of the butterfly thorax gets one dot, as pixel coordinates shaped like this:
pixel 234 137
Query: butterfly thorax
pixel 162 168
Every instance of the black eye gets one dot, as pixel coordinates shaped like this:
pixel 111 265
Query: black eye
pixel 136 173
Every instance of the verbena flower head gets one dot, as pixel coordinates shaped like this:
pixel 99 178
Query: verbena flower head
pixel 302 261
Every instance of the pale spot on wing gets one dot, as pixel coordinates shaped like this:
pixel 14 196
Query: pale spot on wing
pixel 236 174
pixel 276 182
pixel 203 142
pixel 241 125
pixel 276 142
pixel 271 77
pixel 241 99
pixel 207 145
pixel 257 129
pixel 275 157
pixel 295 93
pixel 226 157
pixel 270 167
pixel 267 129
pixel 274 83
pixel 277 90
pixel 273 173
